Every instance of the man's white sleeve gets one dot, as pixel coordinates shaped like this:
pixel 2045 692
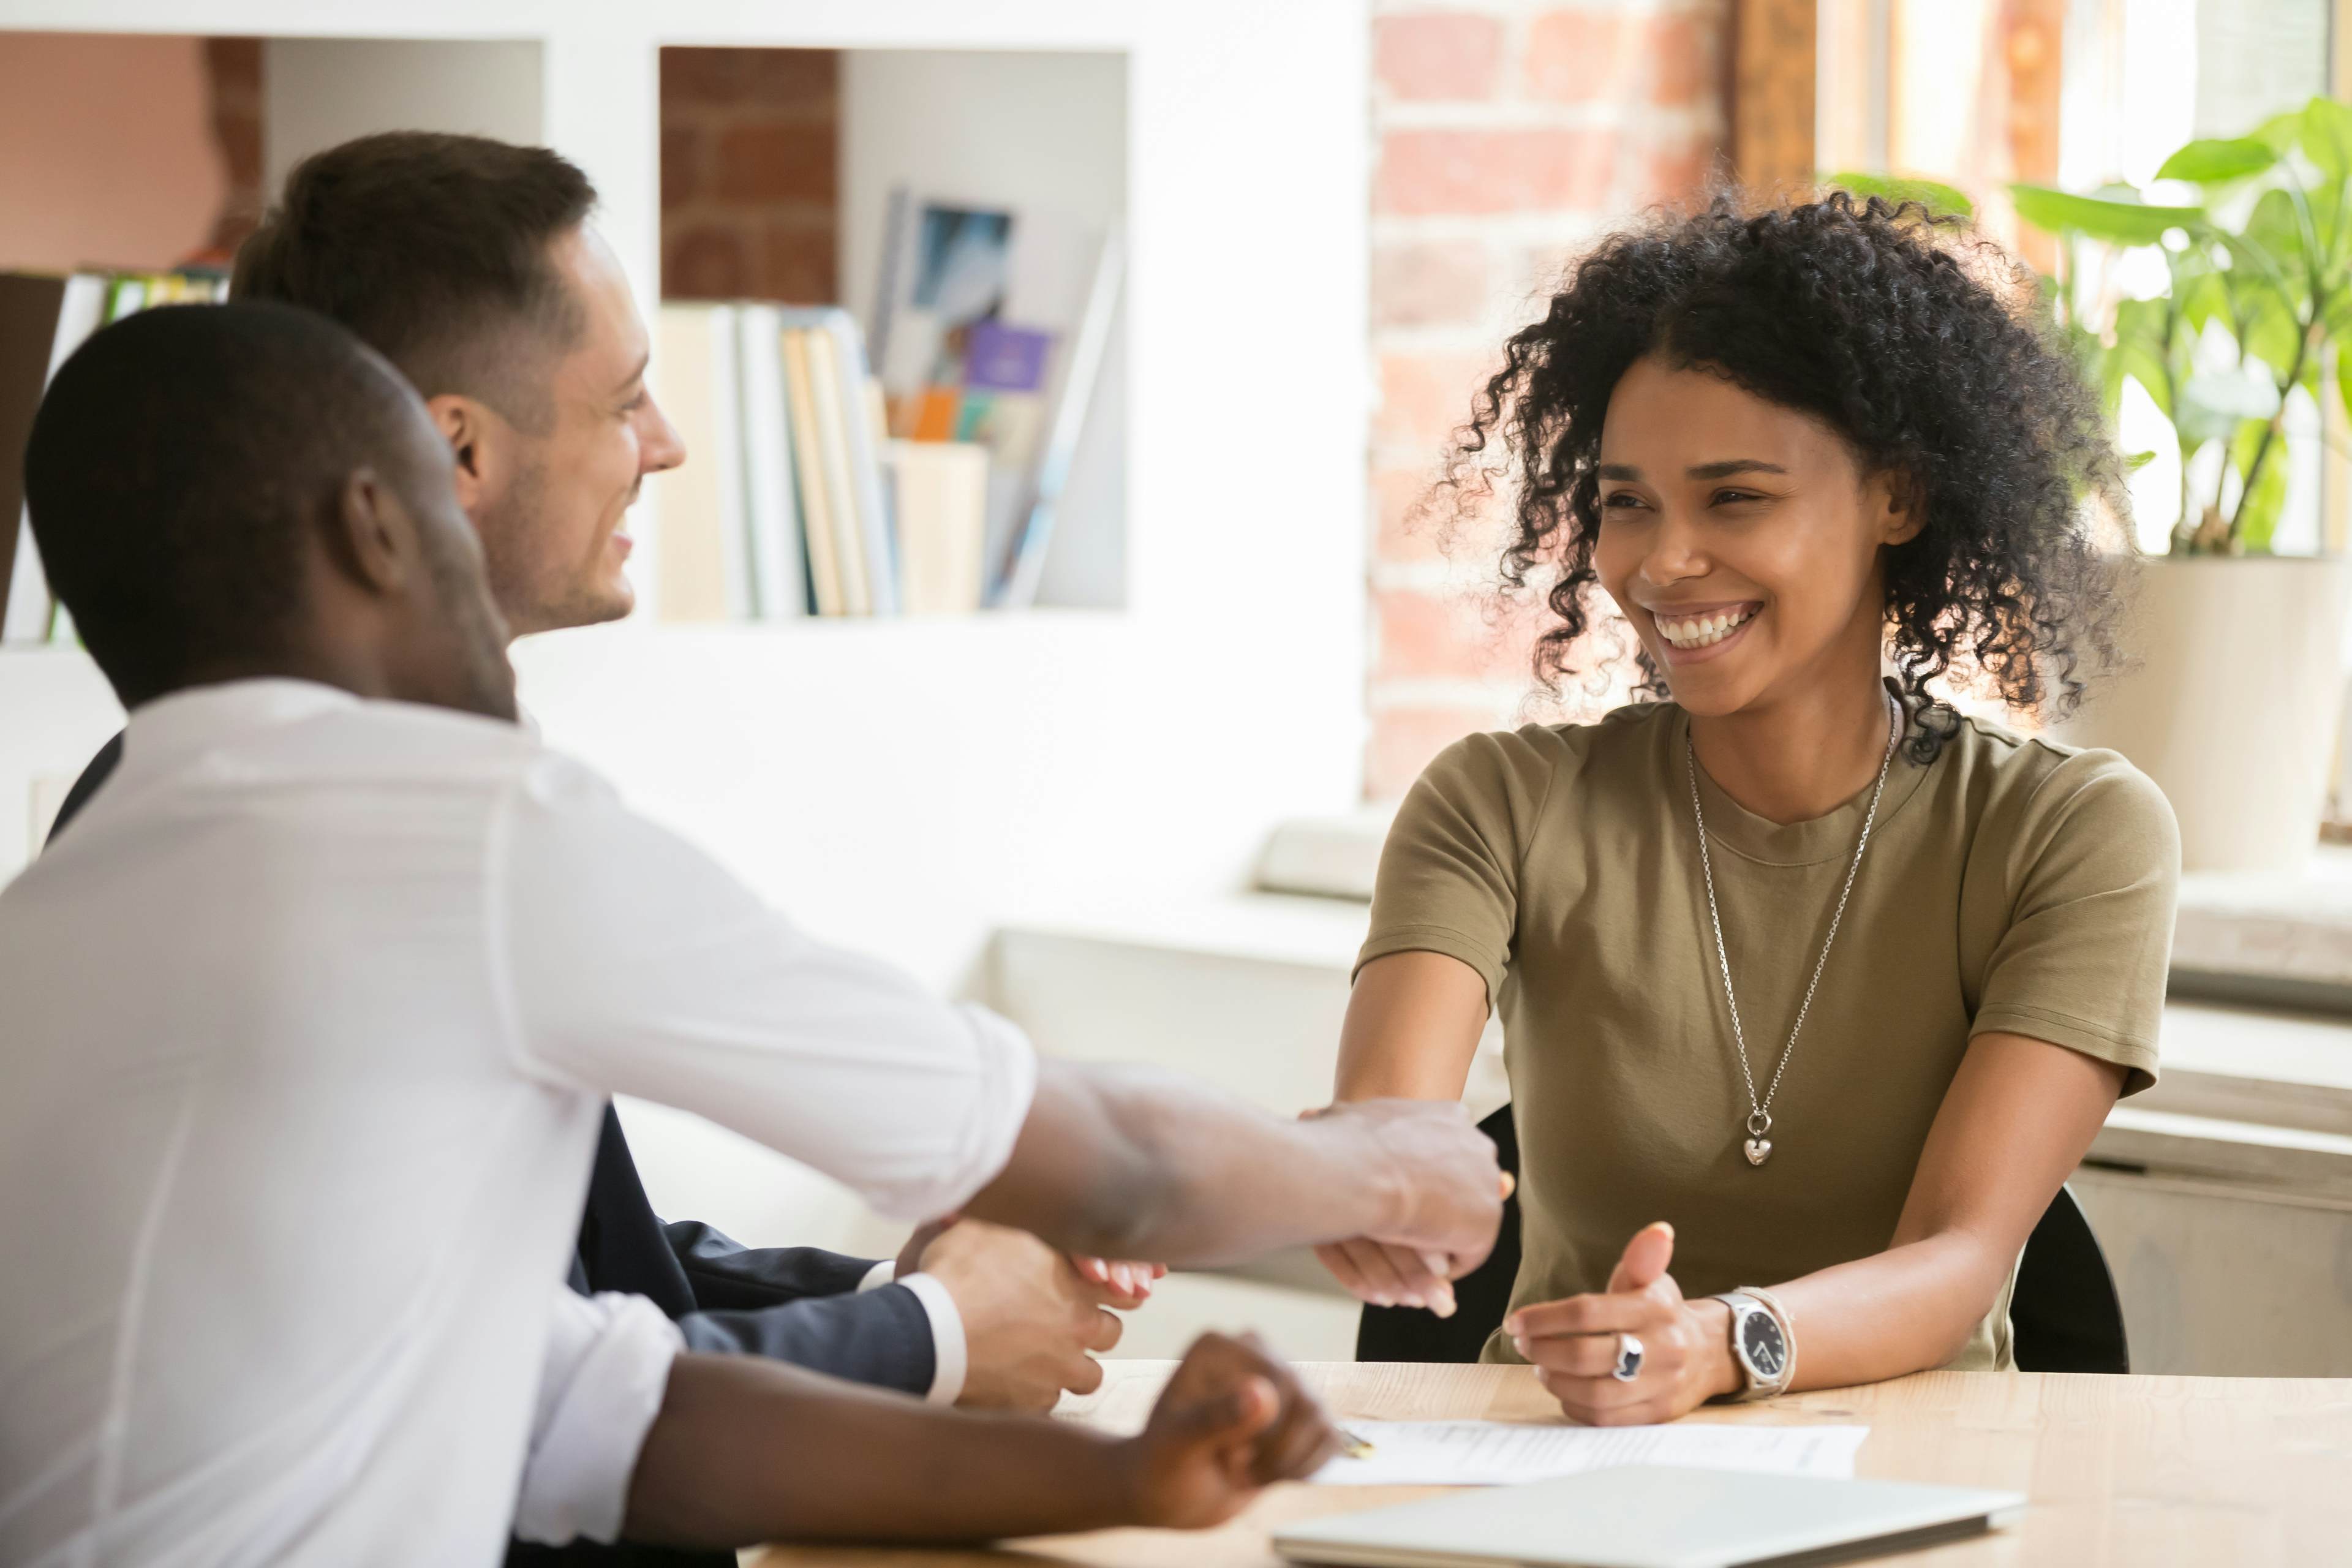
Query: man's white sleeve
pixel 635 964
pixel 600 1387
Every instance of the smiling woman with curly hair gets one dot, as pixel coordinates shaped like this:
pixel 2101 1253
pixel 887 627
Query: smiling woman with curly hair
pixel 1813 991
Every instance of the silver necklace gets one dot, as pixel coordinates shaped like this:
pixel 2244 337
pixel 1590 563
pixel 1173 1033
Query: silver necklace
pixel 1758 1147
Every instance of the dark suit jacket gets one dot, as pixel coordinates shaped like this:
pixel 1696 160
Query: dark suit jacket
pixel 795 1304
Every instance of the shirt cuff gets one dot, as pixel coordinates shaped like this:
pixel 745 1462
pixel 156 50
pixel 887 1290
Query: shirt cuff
pixel 948 1350
pixel 882 1273
pixel 605 1369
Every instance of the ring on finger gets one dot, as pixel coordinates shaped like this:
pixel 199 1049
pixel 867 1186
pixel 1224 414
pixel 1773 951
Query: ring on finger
pixel 1628 1359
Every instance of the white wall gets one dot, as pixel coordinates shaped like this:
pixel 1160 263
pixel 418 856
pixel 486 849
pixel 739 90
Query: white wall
pixel 318 93
pixel 55 713
pixel 908 786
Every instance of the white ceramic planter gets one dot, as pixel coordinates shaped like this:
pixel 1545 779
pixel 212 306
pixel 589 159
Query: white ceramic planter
pixel 2230 699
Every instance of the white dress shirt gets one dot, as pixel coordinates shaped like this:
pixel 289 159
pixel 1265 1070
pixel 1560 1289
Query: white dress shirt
pixel 951 1350
pixel 600 1387
pixel 604 1368
pixel 309 1017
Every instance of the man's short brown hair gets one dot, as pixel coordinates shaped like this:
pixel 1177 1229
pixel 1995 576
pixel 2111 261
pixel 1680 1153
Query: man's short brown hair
pixel 434 250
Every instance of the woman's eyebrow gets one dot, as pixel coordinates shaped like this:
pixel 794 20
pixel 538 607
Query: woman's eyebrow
pixel 1625 471
pixel 1724 470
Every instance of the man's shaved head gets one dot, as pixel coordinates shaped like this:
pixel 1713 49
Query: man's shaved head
pixel 189 464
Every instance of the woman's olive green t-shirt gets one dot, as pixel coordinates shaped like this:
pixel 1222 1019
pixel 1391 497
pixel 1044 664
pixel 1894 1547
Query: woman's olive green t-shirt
pixel 2009 885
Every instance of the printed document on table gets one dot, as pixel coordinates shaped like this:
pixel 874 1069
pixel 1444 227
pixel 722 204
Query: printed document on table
pixel 1497 1453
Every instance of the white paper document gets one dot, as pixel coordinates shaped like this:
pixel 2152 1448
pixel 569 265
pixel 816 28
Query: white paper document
pixel 1497 1453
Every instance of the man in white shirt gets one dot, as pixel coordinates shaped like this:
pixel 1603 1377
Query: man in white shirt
pixel 343 951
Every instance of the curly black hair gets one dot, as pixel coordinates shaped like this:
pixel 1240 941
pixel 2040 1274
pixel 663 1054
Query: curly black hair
pixel 1904 334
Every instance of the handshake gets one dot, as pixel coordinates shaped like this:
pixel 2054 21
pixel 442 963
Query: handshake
pixel 1454 1194
pixel 1402 1196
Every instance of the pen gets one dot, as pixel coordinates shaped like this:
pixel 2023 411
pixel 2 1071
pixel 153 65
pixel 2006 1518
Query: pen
pixel 1352 1447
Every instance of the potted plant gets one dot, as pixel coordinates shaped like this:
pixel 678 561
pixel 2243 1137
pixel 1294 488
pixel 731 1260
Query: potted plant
pixel 2231 687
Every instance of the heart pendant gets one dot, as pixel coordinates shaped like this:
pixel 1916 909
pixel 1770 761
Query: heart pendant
pixel 1758 1151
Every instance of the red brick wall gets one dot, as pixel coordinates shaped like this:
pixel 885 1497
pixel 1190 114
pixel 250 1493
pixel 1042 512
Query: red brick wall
pixel 1508 134
pixel 750 146
pixel 750 139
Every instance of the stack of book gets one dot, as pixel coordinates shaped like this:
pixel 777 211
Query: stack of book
pixel 792 501
pixel 43 319
pixel 921 482
pixel 991 326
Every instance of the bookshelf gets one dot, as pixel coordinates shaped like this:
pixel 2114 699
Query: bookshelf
pixel 911 786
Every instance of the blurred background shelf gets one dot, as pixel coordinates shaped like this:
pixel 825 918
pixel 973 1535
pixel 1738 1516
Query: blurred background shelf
pixel 1207 600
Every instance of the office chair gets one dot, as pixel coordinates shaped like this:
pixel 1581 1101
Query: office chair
pixel 2064 1312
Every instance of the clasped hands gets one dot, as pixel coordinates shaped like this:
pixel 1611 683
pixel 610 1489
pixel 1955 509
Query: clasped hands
pixel 1452 1196
pixel 1031 1314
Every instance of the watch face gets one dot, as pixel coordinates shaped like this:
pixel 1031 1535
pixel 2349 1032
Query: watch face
pixel 1760 1342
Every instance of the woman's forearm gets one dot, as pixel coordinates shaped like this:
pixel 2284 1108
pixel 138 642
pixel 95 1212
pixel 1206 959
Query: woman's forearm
pixel 2018 1118
pixel 746 1450
pixel 1906 1310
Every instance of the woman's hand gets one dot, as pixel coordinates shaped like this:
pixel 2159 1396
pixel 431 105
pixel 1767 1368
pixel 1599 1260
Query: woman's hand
pixel 1574 1344
pixel 1388 1275
pixel 1232 1419
pixel 1125 1285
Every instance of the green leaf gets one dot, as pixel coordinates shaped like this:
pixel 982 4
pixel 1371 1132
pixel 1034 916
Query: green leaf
pixel 2327 223
pixel 2257 516
pixel 2116 221
pixel 2201 292
pixel 2105 372
pixel 2218 162
pixel 2276 227
pixel 2134 462
pixel 1936 196
pixel 2267 255
pixel 2215 404
pixel 2326 137
pixel 2280 131
pixel 2272 332
pixel 2143 351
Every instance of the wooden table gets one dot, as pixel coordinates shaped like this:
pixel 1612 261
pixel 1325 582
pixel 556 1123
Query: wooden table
pixel 2202 1471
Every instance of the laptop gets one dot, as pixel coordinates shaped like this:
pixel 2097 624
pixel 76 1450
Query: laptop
pixel 1645 1516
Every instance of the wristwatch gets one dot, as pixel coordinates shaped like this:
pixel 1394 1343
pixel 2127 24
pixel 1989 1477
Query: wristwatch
pixel 1762 1346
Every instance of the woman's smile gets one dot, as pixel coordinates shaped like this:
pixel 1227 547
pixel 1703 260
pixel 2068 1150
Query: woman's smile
pixel 1699 632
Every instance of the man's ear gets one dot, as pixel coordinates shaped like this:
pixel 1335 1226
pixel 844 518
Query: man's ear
pixel 473 439
pixel 371 536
